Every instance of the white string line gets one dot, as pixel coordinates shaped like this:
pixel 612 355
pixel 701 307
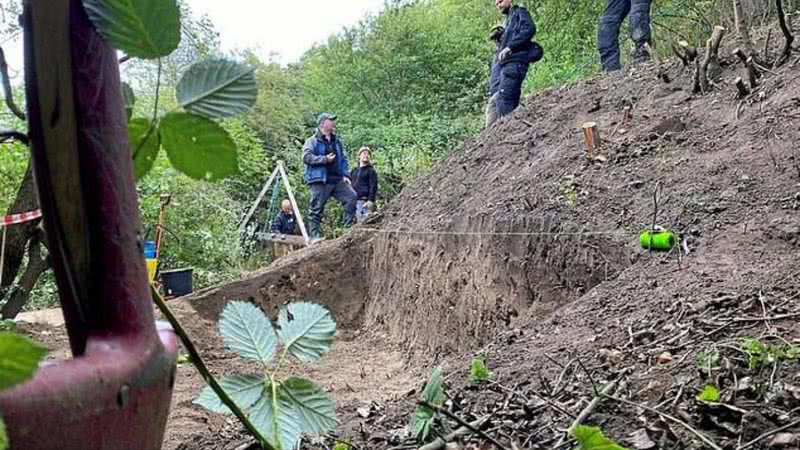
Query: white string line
pixel 487 233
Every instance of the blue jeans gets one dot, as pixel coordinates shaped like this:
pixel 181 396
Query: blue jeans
pixel 512 75
pixel 320 194
pixel 610 22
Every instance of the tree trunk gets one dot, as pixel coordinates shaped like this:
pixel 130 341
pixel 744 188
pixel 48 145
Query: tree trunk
pixel 742 28
pixel 17 236
pixel 36 266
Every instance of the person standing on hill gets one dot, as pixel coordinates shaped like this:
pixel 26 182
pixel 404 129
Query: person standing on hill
pixel 515 52
pixel 365 183
pixel 608 31
pixel 327 174
pixel 494 78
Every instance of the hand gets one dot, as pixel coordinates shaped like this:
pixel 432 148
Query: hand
pixel 347 180
pixel 369 205
pixel 504 55
pixel 330 157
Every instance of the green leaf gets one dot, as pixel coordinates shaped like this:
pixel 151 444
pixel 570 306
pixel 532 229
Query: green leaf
pixel 128 99
pixel 292 408
pixel 479 372
pixel 141 28
pixel 4 444
pixel 198 147
pixel 217 88
pixel 709 394
pixel 244 390
pixel 592 438
pixel 144 152
pixel 306 330
pixel 247 331
pixel 433 394
pixel 19 359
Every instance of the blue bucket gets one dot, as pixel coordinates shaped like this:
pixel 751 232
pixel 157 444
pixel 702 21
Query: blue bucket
pixel 177 282
pixel 150 249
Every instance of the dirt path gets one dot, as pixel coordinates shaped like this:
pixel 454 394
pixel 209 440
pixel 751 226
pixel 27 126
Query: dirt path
pixel 357 371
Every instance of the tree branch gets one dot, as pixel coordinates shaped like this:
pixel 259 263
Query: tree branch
pixel 463 423
pixel 7 87
pixel 787 33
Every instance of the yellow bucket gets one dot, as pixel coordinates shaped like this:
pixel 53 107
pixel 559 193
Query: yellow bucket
pixel 152 265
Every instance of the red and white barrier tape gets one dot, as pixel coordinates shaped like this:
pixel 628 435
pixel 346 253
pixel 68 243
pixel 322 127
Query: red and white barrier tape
pixel 16 219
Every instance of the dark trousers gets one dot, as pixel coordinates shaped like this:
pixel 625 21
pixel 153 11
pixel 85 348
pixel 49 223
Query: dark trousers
pixel 320 194
pixel 512 75
pixel 610 22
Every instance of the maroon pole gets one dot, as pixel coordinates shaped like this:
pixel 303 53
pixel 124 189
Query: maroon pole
pixel 116 393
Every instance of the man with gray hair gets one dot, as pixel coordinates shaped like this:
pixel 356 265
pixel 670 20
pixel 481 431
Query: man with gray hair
pixel 327 174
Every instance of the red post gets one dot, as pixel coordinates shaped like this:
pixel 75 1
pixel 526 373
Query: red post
pixel 115 393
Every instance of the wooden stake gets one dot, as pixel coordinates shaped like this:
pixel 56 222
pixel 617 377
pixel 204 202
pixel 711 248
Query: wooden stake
pixel 740 54
pixel 743 91
pixel 787 33
pixel 591 136
pixel 752 75
pixel 716 39
pixel 690 52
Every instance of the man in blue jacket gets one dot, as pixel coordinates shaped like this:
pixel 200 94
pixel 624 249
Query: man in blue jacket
pixel 608 32
pixel 327 174
pixel 513 54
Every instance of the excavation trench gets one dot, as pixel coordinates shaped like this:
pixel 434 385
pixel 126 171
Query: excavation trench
pixel 436 293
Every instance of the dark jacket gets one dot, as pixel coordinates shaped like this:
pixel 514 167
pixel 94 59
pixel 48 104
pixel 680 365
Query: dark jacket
pixel 494 78
pixel 518 35
pixel 283 223
pixel 317 168
pixel 365 182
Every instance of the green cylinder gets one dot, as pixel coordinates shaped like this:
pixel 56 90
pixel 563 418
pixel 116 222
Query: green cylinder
pixel 661 240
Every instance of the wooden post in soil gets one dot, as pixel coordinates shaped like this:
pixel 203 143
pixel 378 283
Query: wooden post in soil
pixel 752 74
pixel 711 57
pixel 740 86
pixel 591 135
pixel 786 28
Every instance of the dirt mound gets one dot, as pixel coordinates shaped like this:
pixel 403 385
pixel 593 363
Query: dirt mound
pixel 519 248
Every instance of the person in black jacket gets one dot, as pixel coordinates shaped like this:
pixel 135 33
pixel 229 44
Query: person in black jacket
pixel 514 54
pixel 365 183
pixel 284 222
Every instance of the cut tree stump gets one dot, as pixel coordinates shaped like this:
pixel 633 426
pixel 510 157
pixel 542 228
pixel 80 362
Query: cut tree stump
pixel 752 74
pixel 743 91
pixel 591 135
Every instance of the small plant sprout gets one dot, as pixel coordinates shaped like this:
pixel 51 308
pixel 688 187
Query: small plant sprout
pixel 592 438
pixel 425 416
pixel 709 394
pixel 281 410
pixel 479 372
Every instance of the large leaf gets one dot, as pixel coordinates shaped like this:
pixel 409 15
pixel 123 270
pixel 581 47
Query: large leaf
pixel 433 394
pixel 217 88
pixel 592 438
pixel 19 359
pixel 141 28
pixel 247 331
pixel 144 152
pixel 198 147
pixel 244 390
pixel 128 99
pixel 297 406
pixel 3 435
pixel 306 330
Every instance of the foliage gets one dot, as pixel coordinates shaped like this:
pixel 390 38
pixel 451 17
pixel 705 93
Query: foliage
pixel 4 444
pixel 342 446
pixel 707 360
pixel 280 410
pixel 592 438
pixel 479 372
pixel 141 28
pixel 424 416
pixel 709 394
pixel 19 359
pixel 761 354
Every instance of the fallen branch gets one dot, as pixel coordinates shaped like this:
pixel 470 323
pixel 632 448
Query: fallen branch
pixel 768 434
pixel 688 427
pixel 463 423
pixel 592 405
pixel 759 319
pixel 441 442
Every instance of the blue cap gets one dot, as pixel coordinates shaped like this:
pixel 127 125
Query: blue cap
pixel 325 116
